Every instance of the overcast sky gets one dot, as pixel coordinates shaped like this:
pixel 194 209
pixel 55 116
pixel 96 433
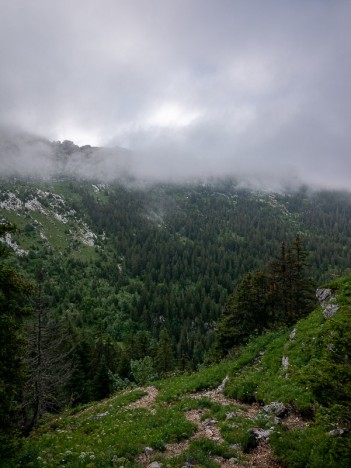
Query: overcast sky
pixel 193 86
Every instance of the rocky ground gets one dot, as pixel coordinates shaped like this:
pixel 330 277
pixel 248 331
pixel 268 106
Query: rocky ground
pixel 261 457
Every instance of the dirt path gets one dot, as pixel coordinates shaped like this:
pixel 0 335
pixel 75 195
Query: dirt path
pixel 214 395
pixel 146 400
pixel 261 457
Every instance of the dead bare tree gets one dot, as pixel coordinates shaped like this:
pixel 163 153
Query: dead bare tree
pixel 48 360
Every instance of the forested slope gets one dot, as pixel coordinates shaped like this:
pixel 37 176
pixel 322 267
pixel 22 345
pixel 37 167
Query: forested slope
pixel 287 404
pixel 134 257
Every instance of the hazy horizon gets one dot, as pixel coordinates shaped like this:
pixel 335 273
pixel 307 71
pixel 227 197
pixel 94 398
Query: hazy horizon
pixel 190 88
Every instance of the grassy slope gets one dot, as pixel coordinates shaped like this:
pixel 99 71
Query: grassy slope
pixel 316 384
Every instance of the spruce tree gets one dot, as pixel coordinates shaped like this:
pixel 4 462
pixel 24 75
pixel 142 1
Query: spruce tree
pixel 14 300
pixel 165 361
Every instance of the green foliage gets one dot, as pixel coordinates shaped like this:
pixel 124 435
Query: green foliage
pixel 104 434
pixel 14 300
pixel 312 447
pixel 244 387
pixel 200 453
pixel 264 299
pixel 165 357
pixel 156 262
pixel 143 370
pixel 256 373
pixel 329 373
pixel 174 387
pixel 118 383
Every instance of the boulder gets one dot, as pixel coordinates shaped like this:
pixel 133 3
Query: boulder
pixel 261 434
pixel 276 408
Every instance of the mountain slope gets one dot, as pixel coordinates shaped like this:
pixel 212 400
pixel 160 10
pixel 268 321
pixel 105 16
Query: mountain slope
pixel 301 374
pixel 141 257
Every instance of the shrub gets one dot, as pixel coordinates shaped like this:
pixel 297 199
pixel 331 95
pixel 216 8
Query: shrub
pixel 143 370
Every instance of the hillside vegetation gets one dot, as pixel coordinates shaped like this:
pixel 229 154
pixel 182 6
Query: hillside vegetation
pixel 132 258
pixel 305 370
pixel 108 286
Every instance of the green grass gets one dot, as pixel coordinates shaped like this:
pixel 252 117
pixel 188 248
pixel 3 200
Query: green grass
pixel 83 438
pixel 317 383
pixel 312 448
pixel 174 387
pixel 200 453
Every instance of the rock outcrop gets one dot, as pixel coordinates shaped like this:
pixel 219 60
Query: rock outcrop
pixel 328 301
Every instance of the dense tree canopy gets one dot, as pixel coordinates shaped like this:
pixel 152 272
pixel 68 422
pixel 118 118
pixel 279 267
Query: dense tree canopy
pixel 279 295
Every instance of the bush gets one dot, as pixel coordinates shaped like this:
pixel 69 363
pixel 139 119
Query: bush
pixel 143 370
pixel 313 448
pixel 244 387
pixel 118 383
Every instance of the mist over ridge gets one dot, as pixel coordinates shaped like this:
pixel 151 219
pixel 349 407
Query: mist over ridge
pixel 23 154
pixel 192 89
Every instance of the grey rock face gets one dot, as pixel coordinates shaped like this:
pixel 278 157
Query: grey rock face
pixel 328 301
pixel 330 311
pixel 154 465
pixel 323 296
pixel 292 335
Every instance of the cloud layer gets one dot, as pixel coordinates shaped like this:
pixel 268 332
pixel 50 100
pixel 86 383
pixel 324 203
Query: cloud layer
pixel 192 87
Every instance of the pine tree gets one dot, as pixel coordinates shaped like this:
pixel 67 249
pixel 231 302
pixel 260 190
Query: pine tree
pixel 165 356
pixel 247 312
pixel 291 289
pixel 14 300
pixel 262 299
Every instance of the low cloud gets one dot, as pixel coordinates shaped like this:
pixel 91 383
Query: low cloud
pixel 191 88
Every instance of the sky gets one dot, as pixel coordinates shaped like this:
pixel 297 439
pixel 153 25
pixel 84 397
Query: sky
pixel 256 88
